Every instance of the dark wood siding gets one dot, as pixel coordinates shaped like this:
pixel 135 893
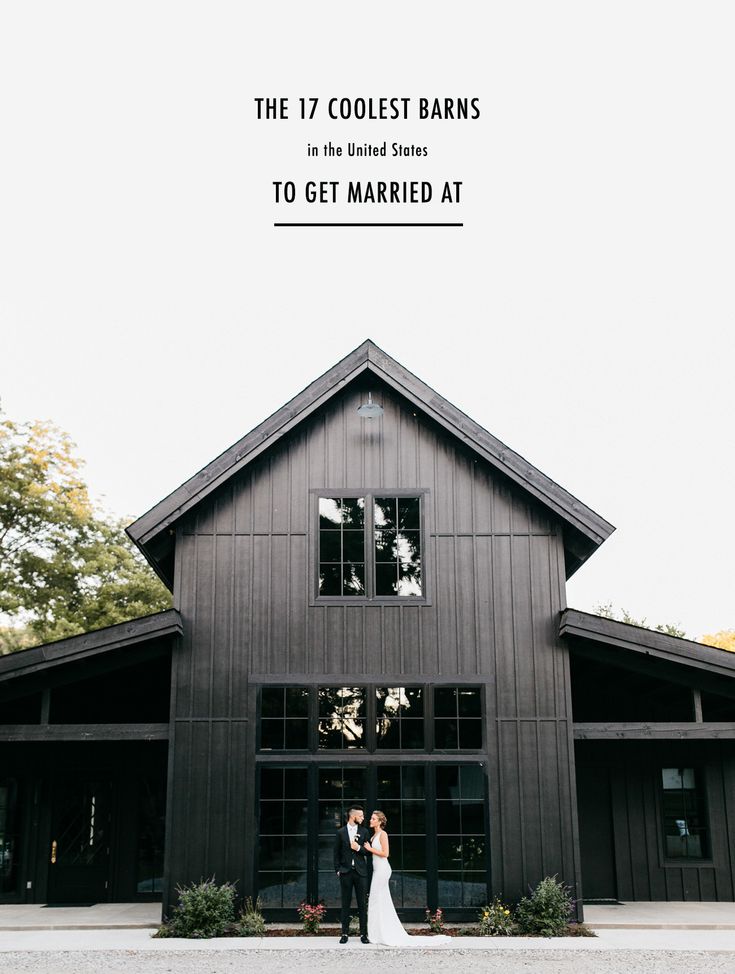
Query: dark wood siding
pixel 494 569
pixel 634 769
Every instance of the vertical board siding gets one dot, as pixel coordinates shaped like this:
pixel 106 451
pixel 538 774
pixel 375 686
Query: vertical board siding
pixel 492 569
pixel 642 871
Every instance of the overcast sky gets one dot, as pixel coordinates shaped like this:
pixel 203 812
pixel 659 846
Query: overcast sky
pixel 583 314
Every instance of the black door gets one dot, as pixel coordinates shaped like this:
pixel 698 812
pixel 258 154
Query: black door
pixel 596 840
pixel 79 856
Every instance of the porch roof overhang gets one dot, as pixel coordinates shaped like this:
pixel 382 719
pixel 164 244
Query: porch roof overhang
pixel 36 659
pixel 647 642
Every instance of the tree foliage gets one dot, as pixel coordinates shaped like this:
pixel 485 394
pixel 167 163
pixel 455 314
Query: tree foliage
pixel 607 611
pixel 65 568
pixel 725 639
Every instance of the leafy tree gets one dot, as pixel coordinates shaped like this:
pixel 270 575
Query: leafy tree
pixel 607 611
pixel 725 639
pixel 65 568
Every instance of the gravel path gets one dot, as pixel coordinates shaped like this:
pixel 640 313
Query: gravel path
pixel 447 961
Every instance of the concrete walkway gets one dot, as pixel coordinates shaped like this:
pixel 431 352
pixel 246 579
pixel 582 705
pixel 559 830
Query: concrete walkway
pixel 115 938
pixel 132 916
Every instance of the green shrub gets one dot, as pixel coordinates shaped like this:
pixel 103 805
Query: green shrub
pixel 547 910
pixel 204 910
pixel 252 921
pixel 495 920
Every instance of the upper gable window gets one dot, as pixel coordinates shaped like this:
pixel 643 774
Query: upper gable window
pixel 370 546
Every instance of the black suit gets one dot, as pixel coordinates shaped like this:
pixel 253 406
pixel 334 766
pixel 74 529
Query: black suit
pixel 352 869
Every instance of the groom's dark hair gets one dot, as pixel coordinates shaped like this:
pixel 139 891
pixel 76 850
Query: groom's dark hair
pixel 354 808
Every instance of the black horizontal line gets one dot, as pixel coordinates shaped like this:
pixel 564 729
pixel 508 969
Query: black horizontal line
pixel 368 224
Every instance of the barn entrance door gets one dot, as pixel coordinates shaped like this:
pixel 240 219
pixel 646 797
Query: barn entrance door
pixel 79 853
pixel 596 840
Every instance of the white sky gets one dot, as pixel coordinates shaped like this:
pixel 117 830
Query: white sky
pixel 584 314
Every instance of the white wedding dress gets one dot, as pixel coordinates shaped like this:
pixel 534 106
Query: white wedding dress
pixel 384 927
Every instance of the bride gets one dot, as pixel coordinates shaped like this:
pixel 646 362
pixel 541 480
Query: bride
pixel 384 927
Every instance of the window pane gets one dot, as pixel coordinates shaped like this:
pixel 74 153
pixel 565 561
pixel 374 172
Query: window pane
pixel 445 701
pixel 295 783
pixel 385 512
pixel 271 818
pixel 445 735
pixel 447 782
pixel 271 702
pixel 473 782
pixel 354 547
pixel 271 782
pixel 330 546
pixel 297 734
pixel 450 889
pixel 294 852
pixel 271 735
pixel 388 735
pixel 330 513
pixel 330 701
pixel 386 580
pixel 330 735
pixel 448 817
pixel 386 546
pixel 470 733
pixel 412 779
pixel 330 580
pixel 412 734
pixel 409 512
pixel 297 702
pixel 469 702
pixel 414 817
pixel 353 512
pixel 389 782
pixel 473 819
pixel 686 832
pixel 354 580
pixel 414 852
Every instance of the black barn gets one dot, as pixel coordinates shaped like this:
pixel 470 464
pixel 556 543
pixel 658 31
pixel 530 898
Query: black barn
pixel 368 607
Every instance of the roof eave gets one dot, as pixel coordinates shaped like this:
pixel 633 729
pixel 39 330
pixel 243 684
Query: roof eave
pixel 610 632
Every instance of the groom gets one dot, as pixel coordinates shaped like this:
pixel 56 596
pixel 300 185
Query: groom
pixel 350 864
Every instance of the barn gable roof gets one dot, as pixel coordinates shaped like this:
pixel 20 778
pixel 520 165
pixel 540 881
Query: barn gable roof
pixel 584 531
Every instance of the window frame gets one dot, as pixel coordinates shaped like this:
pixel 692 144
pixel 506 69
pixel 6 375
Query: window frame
pixel 371 748
pixel 684 862
pixel 369 598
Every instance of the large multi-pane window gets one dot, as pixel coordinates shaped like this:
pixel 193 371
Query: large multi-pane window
pixel 400 718
pixel 342 546
pixel 337 789
pixel 342 718
pixel 460 830
pixel 401 796
pixel 457 718
pixel 282 843
pixel 284 721
pixel 686 835
pixel 435 822
pixel 8 835
pixel 370 718
pixel 370 547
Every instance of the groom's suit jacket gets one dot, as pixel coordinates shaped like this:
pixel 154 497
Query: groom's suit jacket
pixel 344 856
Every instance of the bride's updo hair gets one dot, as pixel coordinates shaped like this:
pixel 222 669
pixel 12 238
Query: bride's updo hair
pixel 381 818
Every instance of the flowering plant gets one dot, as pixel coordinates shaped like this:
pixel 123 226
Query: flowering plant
pixel 311 915
pixel 435 920
pixel 495 920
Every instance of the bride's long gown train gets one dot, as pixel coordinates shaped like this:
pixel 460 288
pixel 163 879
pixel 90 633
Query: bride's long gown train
pixel 384 927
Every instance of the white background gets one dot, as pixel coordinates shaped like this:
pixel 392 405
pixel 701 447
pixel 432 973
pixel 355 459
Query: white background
pixel 584 313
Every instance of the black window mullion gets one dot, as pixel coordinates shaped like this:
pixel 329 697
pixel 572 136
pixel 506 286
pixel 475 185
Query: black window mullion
pixel 432 878
pixel 369 546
